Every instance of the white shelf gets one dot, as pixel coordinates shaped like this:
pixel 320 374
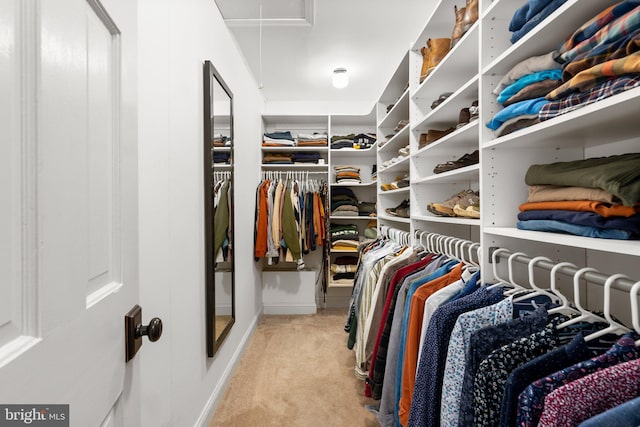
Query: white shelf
pixel 397 82
pixel 352 217
pixel 224 149
pixel 388 217
pixel 625 247
pixel 396 191
pixel 364 184
pixel 447 113
pixel 468 173
pixel 351 152
pixel 462 139
pixel 397 141
pixel 399 165
pixel 459 66
pixel 400 111
pixel 294 148
pixel 337 251
pixel 221 166
pixel 333 284
pixel 313 167
pixel 447 220
pixel 588 126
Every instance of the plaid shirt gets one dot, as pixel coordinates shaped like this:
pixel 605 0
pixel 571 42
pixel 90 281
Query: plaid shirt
pixel 574 101
pixel 615 49
pixel 616 29
pixel 586 79
pixel 591 27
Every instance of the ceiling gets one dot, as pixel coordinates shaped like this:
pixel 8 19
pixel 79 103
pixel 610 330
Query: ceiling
pixel 304 40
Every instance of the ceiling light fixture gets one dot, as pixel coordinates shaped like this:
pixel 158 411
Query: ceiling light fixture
pixel 340 78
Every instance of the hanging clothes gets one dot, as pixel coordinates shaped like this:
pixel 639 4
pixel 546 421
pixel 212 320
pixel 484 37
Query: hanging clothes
pixel 221 213
pixel 289 217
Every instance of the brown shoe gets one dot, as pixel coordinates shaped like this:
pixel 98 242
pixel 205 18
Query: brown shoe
pixel 433 135
pixel 463 117
pixel 425 63
pixel 470 15
pixel 457 29
pixel 438 49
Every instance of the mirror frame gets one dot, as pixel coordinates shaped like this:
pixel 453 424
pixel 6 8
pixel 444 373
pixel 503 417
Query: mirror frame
pixel 211 77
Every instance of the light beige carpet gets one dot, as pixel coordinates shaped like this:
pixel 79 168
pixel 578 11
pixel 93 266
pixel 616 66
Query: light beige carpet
pixel 296 371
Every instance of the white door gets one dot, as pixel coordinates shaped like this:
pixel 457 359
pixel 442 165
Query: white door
pixel 68 206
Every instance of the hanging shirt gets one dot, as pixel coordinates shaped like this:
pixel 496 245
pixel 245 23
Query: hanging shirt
pixel 588 396
pixel 531 400
pixel 425 403
pixel 486 340
pixel 625 415
pixel 466 324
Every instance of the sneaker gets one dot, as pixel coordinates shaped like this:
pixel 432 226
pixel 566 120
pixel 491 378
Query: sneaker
pixel 468 197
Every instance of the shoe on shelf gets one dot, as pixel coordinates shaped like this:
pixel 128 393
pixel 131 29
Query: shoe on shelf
pixel 425 63
pixel 402 210
pixel 463 118
pixel 404 151
pixel 467 211
pixel 401 124
pixel 470 15
pixel 433 135
pixel 468 197
pixel 457 29
pixel 474 111
pixel 438 49
pixel 465 160
pixel 440 99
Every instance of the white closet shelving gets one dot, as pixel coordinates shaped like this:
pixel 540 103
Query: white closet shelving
pixel 365 160
pixel 470 72
pixel 392 108
pixel 297 124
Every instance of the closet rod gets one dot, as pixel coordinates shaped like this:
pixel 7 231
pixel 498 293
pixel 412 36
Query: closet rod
pixel 621 284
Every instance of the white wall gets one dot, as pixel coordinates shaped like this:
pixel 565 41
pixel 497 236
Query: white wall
pixel 180 384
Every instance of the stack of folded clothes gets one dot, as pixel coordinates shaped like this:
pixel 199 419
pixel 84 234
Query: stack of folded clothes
pixel 344 202
pixel 277 159
pixel 219 157
pixel 598 60
pixel 220 140
pixel 306 157
pixel 531 14
pixel 342 141
pixel 364 141
pixel 312 140
pixel 278 139
pixel 597 197
pixel 343 270
pixel 367 208
pixel 401 181
pixel 347 174
pixel 344 237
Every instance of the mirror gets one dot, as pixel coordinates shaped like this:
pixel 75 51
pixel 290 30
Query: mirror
pixel 218 208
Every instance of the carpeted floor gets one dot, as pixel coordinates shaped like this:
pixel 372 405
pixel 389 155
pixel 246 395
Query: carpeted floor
pixel 296 371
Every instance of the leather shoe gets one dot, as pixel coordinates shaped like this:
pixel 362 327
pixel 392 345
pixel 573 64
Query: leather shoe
pixel 463 118
pixel 470 15
pixel 440 99
pixel 438 49
pixel 425 63
pixel 457 29
pixel 433 135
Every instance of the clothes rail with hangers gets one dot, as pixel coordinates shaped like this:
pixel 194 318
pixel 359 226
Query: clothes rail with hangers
pixel 593 276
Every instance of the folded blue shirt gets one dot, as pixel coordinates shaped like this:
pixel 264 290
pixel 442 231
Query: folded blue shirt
pixel 534 20
pixel 577 230
pixel 525 81
pixel 527 107
pixel 591 219
pixel 526 12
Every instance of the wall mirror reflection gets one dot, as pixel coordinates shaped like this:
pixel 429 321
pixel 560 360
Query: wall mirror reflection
pixel 218 203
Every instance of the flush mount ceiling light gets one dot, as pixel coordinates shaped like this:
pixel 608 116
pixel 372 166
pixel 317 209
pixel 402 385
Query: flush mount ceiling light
pixel 340 78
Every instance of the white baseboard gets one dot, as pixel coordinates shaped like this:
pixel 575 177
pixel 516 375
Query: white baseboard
pixel 218 392
pixel 290 309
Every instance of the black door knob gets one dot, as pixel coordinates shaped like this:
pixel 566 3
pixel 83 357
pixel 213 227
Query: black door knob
pixel 153 330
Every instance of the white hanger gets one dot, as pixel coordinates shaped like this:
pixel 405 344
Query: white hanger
pixel 564 307
pixel 585 315
pixel 494 258
pixel 614 327
pixel 536 289
pixel 635 313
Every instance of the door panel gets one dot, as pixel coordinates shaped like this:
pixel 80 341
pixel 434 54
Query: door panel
pixel 73 212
